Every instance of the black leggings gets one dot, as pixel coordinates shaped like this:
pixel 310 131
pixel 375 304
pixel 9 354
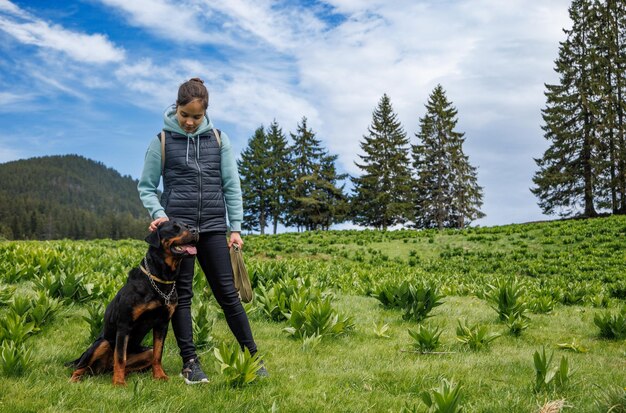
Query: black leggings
pixel 214 260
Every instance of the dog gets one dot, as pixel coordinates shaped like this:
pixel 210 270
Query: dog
pixel 146 302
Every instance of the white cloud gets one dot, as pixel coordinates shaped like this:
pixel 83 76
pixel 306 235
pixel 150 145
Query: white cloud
pixel 331 62
pixel 182 22
pixel 8 7
pixel 10 98
pixel 88 48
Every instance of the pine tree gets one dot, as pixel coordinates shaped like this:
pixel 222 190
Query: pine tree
pixel 255 186
pixel 279 173
pixel 382 193
pixel 335 202
pixel 315 199
pixel 568 169
pixel 607 37
pixel 446 192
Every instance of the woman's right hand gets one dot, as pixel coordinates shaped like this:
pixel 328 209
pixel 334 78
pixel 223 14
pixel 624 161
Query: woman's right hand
pixel 154 224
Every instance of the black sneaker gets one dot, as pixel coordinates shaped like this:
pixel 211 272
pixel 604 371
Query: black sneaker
pixel 262 372
pixel 192 372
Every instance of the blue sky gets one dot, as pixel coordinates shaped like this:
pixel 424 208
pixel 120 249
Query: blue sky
pixel 93 77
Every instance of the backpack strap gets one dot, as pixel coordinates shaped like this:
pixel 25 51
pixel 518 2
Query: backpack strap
pixel 216 132
pixel 162 150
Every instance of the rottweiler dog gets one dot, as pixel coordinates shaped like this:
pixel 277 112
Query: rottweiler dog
pixel 146 302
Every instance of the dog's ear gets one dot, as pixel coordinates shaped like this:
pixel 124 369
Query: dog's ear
pixel 154 239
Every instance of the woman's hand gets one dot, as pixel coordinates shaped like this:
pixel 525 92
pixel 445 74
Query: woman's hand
pixel 154 224
pixel 235 238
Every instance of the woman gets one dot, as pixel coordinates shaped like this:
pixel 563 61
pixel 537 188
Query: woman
pixel 200 185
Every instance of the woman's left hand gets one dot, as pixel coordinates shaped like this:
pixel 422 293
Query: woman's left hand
pixel 235 238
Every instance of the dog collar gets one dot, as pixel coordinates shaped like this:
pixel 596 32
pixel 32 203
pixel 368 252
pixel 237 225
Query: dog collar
pixel 154 277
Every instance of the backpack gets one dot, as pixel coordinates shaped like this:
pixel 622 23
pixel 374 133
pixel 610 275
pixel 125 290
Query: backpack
pixel 216 132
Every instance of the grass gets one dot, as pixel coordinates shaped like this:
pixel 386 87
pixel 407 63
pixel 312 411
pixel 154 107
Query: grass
pixel 361 371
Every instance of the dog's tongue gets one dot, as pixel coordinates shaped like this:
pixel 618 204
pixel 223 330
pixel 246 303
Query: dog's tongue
pixel 190 249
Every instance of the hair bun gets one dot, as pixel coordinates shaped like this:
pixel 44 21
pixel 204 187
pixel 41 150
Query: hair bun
pixel 196 79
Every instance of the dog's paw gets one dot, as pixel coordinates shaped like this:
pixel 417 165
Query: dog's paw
pixel 159 374
pixel 119 382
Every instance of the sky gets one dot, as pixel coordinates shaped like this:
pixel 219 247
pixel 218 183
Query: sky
pixel 93 77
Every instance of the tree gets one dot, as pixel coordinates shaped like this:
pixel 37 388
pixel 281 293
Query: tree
pixel 279 173
pixel 446 192
pixel 566 179
pixel 381 195
pixel 255 186
pixel 316 201
pixel 608 41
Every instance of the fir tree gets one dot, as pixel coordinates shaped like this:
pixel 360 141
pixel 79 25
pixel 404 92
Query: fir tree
pixel 315 198
pixel 382 193
pixel 607 37
pixel 279 173
pixel 567 172
pixel 255 186
pixel 446 192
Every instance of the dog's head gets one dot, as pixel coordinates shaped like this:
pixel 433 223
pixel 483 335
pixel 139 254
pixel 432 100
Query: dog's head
pixel 173 241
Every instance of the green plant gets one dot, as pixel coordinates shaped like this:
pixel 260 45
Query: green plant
pixel 310 342
pixel 43 310
pixel 238 367
pixel 6 292
pixel 20 305
pixel 444 399
pixel 67 286
pixel 14 358
pixel 14 327
pixel 275 301
pixel 476 336
pixel 517 323
pixel 14 273
pixel 611 400
pixel 612 326
pixel 505 296
pixel 317 317
pixel 546 378
pixel 202 325
pixel 426 337
pixel 380 330
pixel 95 319
pixel 423 299
pixel 274 305
pixel 542 304
pixel 598 300
pixel 392 294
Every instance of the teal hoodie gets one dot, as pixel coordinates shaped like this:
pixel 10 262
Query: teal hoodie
pixel 151 175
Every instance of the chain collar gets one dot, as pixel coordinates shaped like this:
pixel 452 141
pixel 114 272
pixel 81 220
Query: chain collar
pixel 151 277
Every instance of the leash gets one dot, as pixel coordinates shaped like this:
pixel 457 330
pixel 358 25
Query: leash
pixel 152 278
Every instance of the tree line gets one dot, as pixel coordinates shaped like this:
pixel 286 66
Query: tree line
pixel 68 196
pixel 294 182
pixel 584 168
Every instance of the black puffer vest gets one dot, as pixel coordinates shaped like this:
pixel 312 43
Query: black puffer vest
pixel 192 181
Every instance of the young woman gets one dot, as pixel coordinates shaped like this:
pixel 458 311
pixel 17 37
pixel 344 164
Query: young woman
pixel 200 187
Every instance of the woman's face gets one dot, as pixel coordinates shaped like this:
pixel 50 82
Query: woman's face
pixel 190 115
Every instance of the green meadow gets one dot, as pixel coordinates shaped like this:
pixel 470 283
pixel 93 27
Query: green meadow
pixel 347 321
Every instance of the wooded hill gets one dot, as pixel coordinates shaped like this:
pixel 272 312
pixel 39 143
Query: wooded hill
pixel 68 196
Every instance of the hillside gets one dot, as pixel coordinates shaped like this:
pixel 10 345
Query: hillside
pixel 68 197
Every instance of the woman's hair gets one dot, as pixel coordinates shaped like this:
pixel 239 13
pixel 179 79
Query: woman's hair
pixel 191 90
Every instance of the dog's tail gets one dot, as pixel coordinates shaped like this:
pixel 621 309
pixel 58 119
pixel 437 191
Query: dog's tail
pixel 83 360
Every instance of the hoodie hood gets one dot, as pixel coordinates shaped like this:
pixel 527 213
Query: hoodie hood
pixel 170 123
